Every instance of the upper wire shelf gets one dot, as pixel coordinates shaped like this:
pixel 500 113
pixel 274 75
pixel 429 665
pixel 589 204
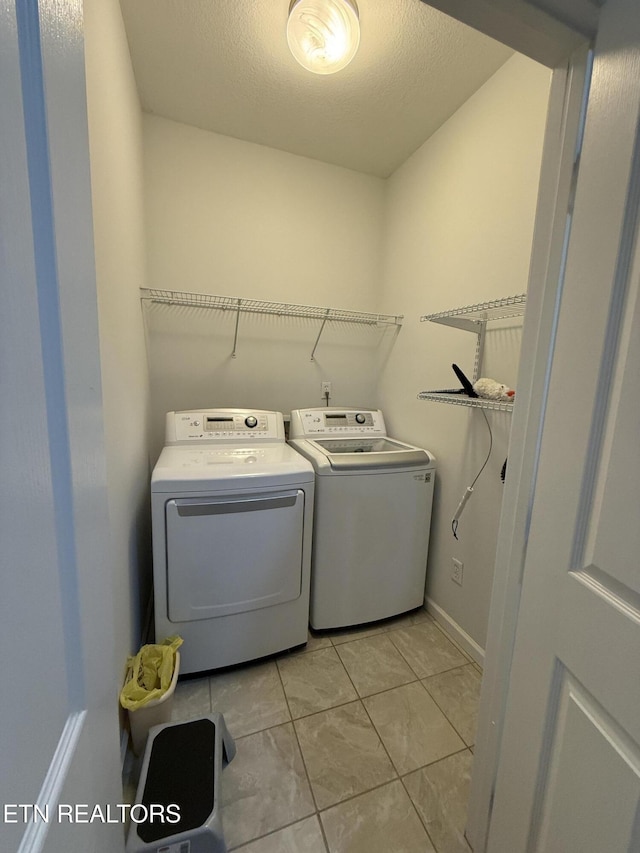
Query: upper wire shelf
pixel 473 318
pixel 280 309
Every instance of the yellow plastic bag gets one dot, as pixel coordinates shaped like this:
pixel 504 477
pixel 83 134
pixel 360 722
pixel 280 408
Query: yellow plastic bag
pixel 149 673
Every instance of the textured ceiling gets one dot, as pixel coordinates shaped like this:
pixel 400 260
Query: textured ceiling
pixel 224 66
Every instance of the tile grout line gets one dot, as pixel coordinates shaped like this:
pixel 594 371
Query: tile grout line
pixel 347 671
pixel 417 770
pixel 442 671
pixel 320 710
pixel 373 725
pixel 455 642
pixel 399 650
pixel 376 692
pixel 352 797
pixel 315 813
pixel 304 763
pixel 423 823
pixel 313 796
pixel 290 722
pixel 359 700
pixel 466 746
pixel 417 677
pixel 433 673
pixel 437 761
pixel 439 706
pixel 374 729
pixel 271 832
pixel 284 692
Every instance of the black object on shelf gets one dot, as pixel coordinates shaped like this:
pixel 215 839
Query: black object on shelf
pixel 466 385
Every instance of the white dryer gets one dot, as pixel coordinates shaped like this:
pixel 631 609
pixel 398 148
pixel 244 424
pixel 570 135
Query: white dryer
pixel 232 512
pixel 372 516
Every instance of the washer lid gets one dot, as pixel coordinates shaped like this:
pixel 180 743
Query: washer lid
pixel 199 467
pixel 352 454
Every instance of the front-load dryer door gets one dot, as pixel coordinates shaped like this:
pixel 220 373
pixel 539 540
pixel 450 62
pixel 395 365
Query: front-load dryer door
pixel 232 554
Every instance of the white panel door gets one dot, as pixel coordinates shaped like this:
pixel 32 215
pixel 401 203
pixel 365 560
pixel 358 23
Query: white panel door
pixel 59 682
pixel 569 771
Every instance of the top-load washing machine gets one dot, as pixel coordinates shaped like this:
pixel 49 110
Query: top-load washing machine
pixel 232 514
pixel 372 516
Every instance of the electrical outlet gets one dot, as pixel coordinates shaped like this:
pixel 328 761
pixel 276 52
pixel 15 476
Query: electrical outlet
pixel 326 388
pixel 457 569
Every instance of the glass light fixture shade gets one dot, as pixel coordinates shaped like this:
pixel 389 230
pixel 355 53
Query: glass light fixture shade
pixel 323 35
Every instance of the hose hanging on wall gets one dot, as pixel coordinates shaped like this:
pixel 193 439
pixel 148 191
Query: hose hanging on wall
pixel 468 387
pixel 469 491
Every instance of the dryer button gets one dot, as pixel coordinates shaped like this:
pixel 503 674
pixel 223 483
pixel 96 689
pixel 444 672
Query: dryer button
pixel 251 421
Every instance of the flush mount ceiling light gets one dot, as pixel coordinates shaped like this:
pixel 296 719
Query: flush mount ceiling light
pixel 323 35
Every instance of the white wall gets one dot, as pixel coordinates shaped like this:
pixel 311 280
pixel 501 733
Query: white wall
pixel 232 218
pixel 459 227
pixel 115 140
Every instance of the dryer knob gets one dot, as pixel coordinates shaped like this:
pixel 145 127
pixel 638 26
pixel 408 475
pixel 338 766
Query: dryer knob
pixel 251 421
pixel 360 418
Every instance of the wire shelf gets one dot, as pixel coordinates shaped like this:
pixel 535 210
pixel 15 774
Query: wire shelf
pixel 470 402
pixel 497 309
pixel 281 309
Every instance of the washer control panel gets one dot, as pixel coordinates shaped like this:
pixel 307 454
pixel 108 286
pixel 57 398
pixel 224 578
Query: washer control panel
pixel 235 425
pixel 317 422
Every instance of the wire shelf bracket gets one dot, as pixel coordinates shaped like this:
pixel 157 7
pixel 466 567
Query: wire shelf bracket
pixel 280 309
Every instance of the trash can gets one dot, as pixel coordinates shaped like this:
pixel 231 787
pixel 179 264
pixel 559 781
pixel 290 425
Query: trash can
pixel 149 686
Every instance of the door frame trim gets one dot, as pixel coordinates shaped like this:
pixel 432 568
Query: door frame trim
pixel 560 42
pixel 557 183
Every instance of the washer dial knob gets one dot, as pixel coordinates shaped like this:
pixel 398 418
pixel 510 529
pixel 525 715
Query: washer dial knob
pixel 360 418
pixel 251 421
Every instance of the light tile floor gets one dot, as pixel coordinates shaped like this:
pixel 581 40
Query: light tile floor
pixel 358 743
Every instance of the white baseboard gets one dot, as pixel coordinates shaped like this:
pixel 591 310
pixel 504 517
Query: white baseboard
pixel 461 637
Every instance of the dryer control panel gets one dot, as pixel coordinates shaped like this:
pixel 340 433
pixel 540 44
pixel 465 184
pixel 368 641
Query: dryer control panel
pixel 333 421
pixel 237 425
